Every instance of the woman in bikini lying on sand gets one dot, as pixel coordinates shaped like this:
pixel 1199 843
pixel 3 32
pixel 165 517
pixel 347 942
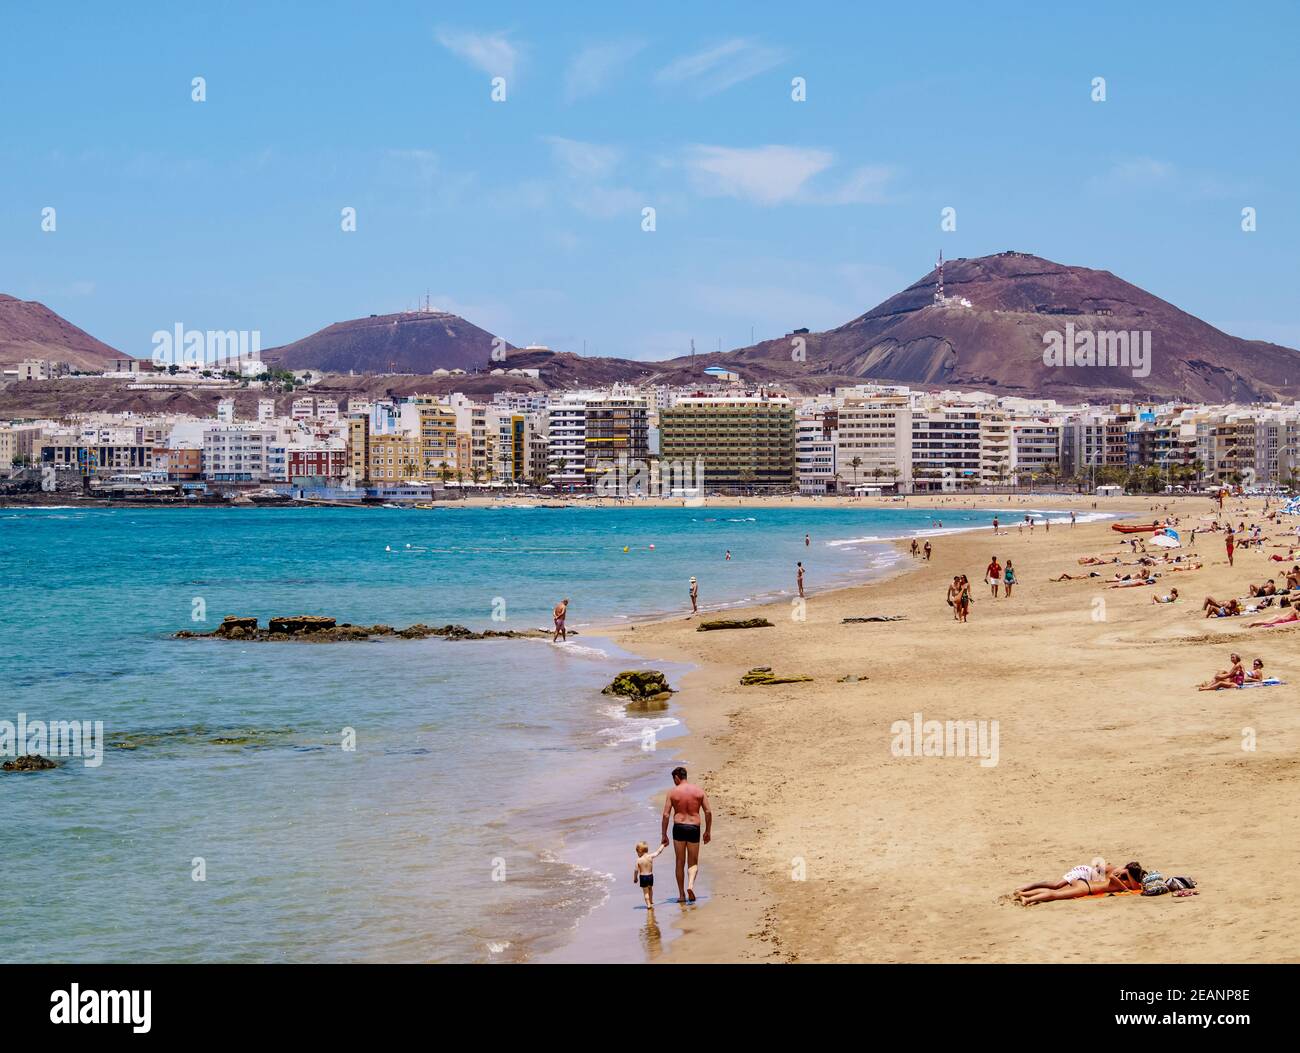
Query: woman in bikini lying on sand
pixel 1084 881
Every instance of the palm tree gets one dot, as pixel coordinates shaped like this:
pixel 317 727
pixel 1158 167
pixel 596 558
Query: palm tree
pixel 855 464
pixel 444 473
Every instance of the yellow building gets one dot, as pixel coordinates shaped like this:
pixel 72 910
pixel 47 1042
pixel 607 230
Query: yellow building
pixel 396 458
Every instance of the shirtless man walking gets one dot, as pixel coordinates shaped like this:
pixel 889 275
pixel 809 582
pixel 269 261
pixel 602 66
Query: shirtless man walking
pixel 561 609
pixel 683 805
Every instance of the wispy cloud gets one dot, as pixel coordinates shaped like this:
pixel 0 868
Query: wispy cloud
pixel 421 165
pixel 594 66
pixel 583 160
pixel 721 66
pixel 768 175
pixel 493 53
pixel 1147 175
pixel 1133 173
pixel 867 185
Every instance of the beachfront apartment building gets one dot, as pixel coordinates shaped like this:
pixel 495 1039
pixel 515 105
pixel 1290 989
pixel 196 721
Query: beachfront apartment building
pixel 434 424
pixel 18 444
pixel 814 451
pixel 946 448
pixel 1035 449
pixel 741 441
pixel 395 458
pixel 234 453
pixel 318 460
pixel 566 432
pixel 617 435
pixel 93 457
pixel 874 441
pixel 997 451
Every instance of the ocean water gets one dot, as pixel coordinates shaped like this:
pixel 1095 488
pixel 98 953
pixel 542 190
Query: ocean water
pixel 488 810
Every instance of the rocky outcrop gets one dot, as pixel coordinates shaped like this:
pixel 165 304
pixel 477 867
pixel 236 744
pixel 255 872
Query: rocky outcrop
pixel 763 675
pixel 302 623
pixel 734 623
pixel 874 618
pixel 647 690
pixel 316 628
pixel 29 762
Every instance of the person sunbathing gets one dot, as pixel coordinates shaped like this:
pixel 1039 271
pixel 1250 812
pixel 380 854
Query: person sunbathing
pixel 1281 619
pixel 1172 597
pixel 1084 881
pixel 1214 609
pixel 1234 676
pixel 1129 583
pixel 1256 674
pixel 1267 589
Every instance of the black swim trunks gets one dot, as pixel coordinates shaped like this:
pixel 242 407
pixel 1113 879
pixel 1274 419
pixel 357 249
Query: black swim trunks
pixel 688 832
pixel 647 880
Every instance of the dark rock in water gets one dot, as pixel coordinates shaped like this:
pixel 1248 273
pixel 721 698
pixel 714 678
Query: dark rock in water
pixel 302 623
pixel 646 689
pixel 316 628
pixel 232 625
pixel 29 762
pixel 734 623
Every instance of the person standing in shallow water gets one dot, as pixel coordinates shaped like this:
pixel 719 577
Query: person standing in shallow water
pixel 799 576
pixel 683 805
pixel 695 595
pixel 559 614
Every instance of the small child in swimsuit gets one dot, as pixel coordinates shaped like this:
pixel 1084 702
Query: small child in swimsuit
pixel 643 872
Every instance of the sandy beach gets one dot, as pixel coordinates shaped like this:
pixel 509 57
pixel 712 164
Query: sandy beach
pixel 829 848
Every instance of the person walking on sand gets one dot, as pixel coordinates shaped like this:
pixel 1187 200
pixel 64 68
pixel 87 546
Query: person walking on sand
pixel 954 596
pixel 695 595
pixel 963 601
pixel 1230 544
pixel 1008 579
pixel 993 575
pixel 1071 519
pixel 643 872
pixel 561 609
pixel 915 548
pixel 799 576
pixel 683 805
pixel 927 552
pixel 995 524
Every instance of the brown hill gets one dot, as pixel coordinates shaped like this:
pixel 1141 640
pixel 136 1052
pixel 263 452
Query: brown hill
pixel 997 344
pixel 31 330
pixel 410 342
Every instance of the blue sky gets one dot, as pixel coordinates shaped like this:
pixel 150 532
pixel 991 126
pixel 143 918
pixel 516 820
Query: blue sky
pixel 525 215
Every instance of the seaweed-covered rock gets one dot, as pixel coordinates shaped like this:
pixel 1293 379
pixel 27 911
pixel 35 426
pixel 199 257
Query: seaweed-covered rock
pixel 734 623
pixel 764 675
pixel 646 689
pixel 29 762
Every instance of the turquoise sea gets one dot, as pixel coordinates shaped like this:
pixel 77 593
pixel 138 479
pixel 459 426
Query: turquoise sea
pixel 489 808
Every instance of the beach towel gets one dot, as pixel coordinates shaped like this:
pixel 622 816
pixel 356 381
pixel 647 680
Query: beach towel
pixel 1271 681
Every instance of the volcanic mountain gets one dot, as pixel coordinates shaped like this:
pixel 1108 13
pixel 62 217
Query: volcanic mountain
pixel 31 330
pixel 410 342
pixel 988 334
